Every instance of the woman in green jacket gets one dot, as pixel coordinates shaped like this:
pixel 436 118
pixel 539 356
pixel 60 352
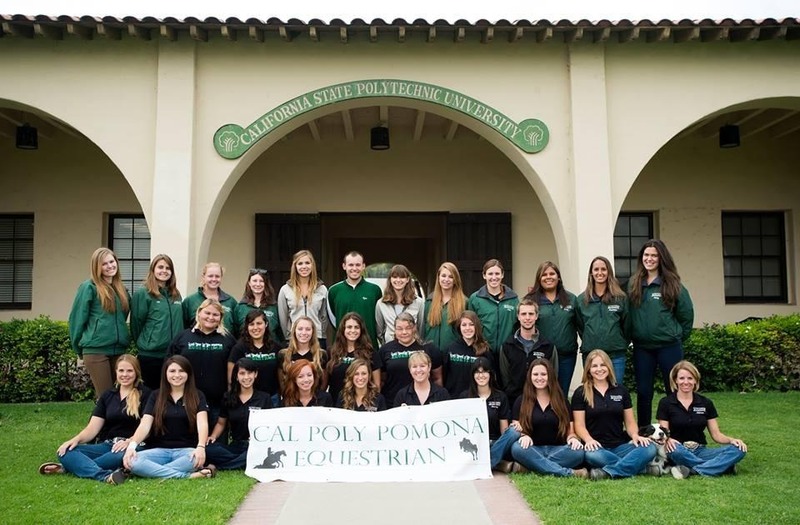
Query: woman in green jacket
pixel 209 288
pixel 496 306
pixel 156 318
pixel 98 329
pixel 661 320
pixel 557 321
pixel 259 295
pixel 444 307
pixel 602 314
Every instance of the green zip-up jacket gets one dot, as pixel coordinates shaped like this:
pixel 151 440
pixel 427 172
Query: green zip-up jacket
pixel 654 325
pixel 92 330
pixel 559 324
pixel 193 302
pixel 497 317
pixel 155 321
pixel 602 325
pixel 443 335
pixel 271 311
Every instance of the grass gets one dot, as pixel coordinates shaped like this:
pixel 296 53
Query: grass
pixel 29 436
pixel 764 492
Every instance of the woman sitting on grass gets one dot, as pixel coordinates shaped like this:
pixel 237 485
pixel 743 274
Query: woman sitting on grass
pixel 175 424
pixel 237 405
pixel 96 451
pixel 603 416
pixel 687 414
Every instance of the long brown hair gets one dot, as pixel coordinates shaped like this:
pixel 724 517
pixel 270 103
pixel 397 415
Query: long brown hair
pixel 291 392
pixel 480 345
pixel 349 389
pixel 588 381
pixel 613 293
pixel 538 292
pixel 557 400
pixel 457 303
pixel 249 297
pixel 409 293
pixel 106 291
pixel 134 398
pixel 294 278
pixel 151 283
pixel 191 397
pixel 670 280
pixel 363 345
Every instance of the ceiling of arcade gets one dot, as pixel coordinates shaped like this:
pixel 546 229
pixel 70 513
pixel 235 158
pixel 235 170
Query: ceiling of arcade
pixel 758 123
pixel 49 128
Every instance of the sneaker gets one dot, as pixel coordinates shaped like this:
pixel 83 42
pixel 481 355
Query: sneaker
pixel 118 477
pixel 519 468
pixel 596 474
pixel 680 472
pixel 653 470
pixel 732 470
pixel 581 473
pixel 504 466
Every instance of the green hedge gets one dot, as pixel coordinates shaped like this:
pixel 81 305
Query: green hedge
pixel 757 355
pixel 38 364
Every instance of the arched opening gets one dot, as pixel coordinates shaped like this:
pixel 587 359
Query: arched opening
pixel 60 202
pixel 446 189
pixel 729 215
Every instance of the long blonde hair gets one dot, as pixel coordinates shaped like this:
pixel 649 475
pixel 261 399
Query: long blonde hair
pixel 294 278
pixel 135 396
pixel 218 307
pixel 588 381
pixel 314 349
pixel 457 303
pixel 106 291
pixel 349 389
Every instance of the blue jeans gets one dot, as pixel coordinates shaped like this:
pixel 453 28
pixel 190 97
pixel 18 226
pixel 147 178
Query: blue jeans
pixel 163 463
pixel 555 460
pixel 566 367
pixel 644 366
pixel 501 448
pixel 227 457
pixel 623 461
pixel 707 461
pixel 92 461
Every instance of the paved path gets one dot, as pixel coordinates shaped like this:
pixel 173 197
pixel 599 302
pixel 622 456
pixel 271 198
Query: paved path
pixel 484 502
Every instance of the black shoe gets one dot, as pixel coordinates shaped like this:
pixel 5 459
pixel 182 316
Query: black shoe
pixel 596 474
pixel 118 477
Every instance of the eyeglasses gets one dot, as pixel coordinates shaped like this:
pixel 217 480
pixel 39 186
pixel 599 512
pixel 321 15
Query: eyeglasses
pixel 482 372
pixel 258 271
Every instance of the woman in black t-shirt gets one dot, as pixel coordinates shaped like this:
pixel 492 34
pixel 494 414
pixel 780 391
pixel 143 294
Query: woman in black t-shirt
pixel 687 414
pixel 96 451
pixel 302 388
pixel 483 385
pixel 255 344
pixel 352 342
pixel 238 403
pixel 548 444
pixel 175 424
pixel 603 416
pixel 360 393
pixel 422 391
pixel 458 358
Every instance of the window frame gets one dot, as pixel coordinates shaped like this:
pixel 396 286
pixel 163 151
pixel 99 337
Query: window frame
pixel 130 282
pixel 633 258
pixel 780 217
pixel 19 305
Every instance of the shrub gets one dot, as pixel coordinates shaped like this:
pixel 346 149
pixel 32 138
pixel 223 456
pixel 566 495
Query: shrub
pixel 38 364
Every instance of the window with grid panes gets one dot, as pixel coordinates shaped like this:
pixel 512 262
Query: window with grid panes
pixel 754 255
pixel 16 261
pixel 631 232
pixel 129 237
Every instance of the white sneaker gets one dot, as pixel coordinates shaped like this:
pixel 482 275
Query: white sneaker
pixel 680 472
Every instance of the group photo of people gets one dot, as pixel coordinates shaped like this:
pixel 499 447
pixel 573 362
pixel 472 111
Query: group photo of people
pixel 179 407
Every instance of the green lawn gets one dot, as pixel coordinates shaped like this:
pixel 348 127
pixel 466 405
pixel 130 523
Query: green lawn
pixel 766 491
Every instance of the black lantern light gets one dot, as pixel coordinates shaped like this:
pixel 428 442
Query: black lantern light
pixel 379 138
pixel 729 136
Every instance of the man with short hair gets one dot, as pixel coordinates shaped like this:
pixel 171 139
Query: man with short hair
pixel 355 294
pixel 519 350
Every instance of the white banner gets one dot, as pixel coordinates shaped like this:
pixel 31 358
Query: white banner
pixel 446 441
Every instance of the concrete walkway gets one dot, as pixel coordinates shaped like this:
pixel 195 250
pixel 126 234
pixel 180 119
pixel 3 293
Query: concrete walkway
pixel 483 502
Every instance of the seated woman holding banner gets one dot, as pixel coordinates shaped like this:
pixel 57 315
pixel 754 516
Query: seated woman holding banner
pixel 237 405
pixel 360 393
pixel 422 391
pixel 301 388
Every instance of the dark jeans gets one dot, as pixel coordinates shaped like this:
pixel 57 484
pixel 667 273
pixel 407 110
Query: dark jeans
pixel 227 457
pixel 644 366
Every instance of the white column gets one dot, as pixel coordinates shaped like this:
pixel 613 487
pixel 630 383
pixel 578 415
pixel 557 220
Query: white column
pixel 594 221
pixel 170 219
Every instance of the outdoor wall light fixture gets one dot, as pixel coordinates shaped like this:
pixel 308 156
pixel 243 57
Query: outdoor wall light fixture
pixel 729 136
pixel 27 137
pixel 379 137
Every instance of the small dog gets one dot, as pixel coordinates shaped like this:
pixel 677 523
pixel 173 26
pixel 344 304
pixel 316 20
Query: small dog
pixel 659 435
